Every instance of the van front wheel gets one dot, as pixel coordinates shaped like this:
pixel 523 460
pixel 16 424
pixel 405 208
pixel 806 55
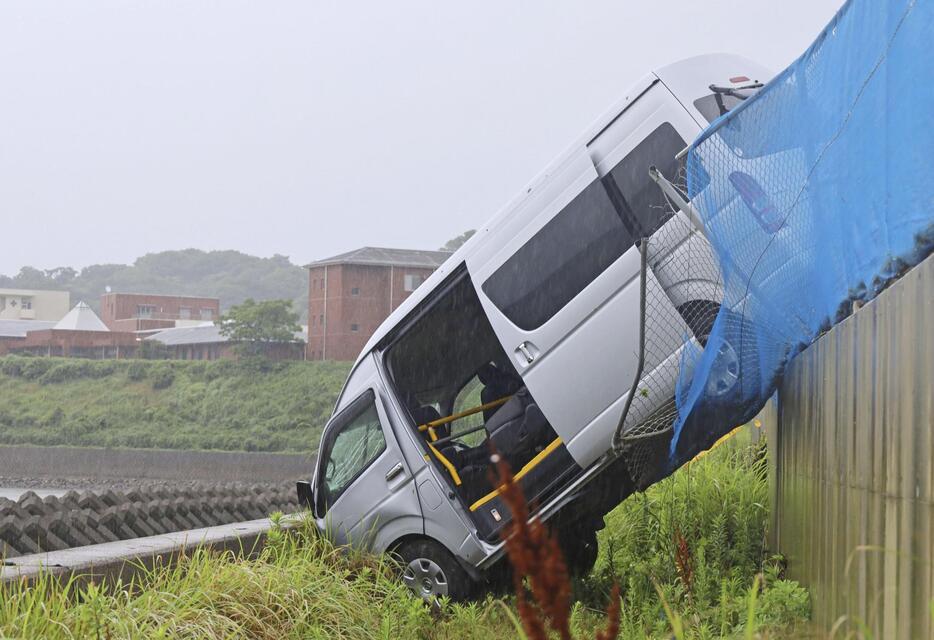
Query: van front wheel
pixel 431 572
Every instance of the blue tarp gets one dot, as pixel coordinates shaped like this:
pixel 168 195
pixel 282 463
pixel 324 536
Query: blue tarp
pixel 814 193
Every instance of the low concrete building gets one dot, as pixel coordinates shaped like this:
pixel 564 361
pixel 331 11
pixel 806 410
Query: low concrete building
pixel 206 342
pixel 147 312
pixel 33 304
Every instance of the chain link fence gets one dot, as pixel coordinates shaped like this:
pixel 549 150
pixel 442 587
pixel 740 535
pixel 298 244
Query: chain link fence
pixel 813 196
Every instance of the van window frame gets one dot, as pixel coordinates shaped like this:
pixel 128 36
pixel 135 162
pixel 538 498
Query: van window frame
pixel 355 409
pixel 552 305
pixel 640 221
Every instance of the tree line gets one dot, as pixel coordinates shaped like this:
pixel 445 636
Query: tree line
pixel 231 276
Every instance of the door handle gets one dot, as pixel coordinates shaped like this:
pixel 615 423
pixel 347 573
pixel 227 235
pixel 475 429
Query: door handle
pixel 524 350
pixel 396 470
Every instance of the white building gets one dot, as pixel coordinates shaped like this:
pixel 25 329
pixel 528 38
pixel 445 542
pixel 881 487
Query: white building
pixel 33 304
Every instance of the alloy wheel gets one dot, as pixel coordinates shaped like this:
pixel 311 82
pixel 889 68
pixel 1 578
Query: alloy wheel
pixel 425 578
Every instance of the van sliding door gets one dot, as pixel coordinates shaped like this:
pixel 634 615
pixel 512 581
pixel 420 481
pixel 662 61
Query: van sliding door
pixel 558 278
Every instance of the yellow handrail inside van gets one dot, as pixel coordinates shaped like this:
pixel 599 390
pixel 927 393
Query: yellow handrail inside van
pixel 462 414
pixel 531 464
pixel 430 428
pixel 447 465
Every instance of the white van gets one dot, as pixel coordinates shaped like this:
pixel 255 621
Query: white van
pixel 526 339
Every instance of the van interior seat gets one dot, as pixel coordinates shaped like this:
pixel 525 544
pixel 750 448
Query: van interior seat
pixel 425 414
pixel 497 384
pixel 519 430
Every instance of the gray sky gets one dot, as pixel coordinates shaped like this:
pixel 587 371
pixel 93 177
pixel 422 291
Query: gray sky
pixel 310 128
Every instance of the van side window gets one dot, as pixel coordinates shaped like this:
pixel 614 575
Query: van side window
pixel 468 398
pixel 640 195
pixel 352 446
pixel 566 255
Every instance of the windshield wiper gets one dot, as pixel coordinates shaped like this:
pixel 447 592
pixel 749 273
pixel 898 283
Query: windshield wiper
pixel 735 91
pixel 719 92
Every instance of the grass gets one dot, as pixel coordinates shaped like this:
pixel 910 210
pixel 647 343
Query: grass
pixel 227 405
pixel 718 581
pixel 688 554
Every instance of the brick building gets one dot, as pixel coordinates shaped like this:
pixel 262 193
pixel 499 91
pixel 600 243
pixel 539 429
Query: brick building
pixel 13 332
pixel 144 312
pixel 350 294
pixel 80 334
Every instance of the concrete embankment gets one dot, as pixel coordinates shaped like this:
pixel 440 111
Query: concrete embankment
pixel 123 559
pixel 37 525
pixel 152 464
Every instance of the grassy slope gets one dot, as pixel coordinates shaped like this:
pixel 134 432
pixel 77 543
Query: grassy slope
pixel 305 589
pixel 717 506
pixel 161 404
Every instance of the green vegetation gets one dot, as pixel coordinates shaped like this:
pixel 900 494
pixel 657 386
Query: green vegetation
pixel 251 324
pixel 248 405
pixel 688 555
pixel 697 539
pixel 455 243
pixel 229 275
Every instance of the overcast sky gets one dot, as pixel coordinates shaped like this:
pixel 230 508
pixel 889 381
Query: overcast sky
pixel 311 128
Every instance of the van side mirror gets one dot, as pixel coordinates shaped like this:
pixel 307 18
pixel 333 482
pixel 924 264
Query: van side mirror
pixel 306 497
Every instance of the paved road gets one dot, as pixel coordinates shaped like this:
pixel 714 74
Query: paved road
pixel 13 493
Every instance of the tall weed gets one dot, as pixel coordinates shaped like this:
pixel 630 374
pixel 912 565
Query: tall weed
pixel 688 551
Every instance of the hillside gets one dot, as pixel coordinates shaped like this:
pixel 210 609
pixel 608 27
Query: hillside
pixel 229 275
pixel 167 404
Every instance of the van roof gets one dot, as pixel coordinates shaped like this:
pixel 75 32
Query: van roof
pixel 668 73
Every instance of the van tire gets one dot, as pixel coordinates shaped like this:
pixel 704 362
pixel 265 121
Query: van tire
pixel 732 405
pixel 699 316
pixel 738 336
pixel 430 571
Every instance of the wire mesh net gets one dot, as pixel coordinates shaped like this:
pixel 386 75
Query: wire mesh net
pixel 680 294
pixel 814 194
pixel 810 198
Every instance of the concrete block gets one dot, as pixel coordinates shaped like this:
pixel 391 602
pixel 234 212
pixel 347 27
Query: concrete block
pixel 135 522
pixel 34 530
pixel 80 521
pixel 181 513
pixel 93 520
pixel 114 520
pixel 89 501
pixel 33 505
pixel 60 524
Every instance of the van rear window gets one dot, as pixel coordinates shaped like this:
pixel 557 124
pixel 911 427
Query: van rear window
pixel 566 255
pixel 640 198
pixel 589 234
pixel 715 105
pixel 724 99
